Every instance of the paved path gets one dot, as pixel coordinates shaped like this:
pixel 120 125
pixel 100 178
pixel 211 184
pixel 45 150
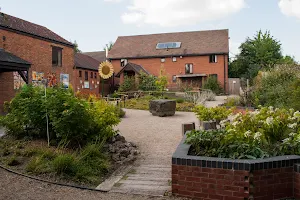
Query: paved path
pixel 1 131
pixel 157 139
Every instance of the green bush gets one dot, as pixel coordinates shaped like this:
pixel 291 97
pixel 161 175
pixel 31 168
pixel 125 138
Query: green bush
pixel 64 164
pixel 72 121
pixel 209 114
pixel 128 84
pixel 213 84
pixel 179 100
pixel 278 87
pixel 263 133
pixel 147 82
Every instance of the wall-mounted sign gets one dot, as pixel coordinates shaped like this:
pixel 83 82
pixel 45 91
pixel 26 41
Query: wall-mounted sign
pixel 37 78
pixel 18 81
pixel 64 80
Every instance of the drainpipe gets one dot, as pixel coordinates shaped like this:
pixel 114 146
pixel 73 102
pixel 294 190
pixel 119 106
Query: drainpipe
pixel 225 73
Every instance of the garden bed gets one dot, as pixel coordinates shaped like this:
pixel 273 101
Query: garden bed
pixel 222 178
pixel 142 103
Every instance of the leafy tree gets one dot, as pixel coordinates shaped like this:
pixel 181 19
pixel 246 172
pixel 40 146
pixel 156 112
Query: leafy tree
pixel 289 60
pixel 262 51
pixel 76 49
pixel 147 82
pixel 109 45
pixel 162 80
pixel 213 84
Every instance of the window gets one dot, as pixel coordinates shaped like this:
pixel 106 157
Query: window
pixel 95 75
pixel 86 75
pixel 57 56
pixel 174 78
pixel 163 60
pixel 189 68
pixel 80 73
pixel 174 59
pixel 213 58
pixel 123 62
pixel 91 74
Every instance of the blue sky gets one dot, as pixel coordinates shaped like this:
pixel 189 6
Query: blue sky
pixel 93 23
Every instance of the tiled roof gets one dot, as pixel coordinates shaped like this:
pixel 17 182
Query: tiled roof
pixel 23 26
pixel 11 58
pixel 131 66
pixel 98 55
pixel 86 62
pixel 192 43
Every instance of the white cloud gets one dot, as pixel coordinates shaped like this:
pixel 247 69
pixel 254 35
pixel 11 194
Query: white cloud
pixel 169 13
pixel 114 1
pixel 290 7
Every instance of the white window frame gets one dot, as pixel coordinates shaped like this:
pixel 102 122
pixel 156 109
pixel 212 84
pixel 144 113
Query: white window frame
pixel 190 67
pixel 124 61
pixel 215 58
pixel 174 59
pixel 163 60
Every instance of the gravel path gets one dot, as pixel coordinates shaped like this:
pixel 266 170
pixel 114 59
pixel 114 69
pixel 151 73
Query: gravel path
pixel 14 187
pixel 157 137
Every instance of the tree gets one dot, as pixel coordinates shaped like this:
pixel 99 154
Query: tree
pixel 162 80
pixel 109 45
pixel 288 60
pixel 76 49
pixel 262 51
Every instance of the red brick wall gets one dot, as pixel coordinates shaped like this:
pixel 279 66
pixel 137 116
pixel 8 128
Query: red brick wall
pixel 201 65
pixel 6 92
pixel 93 82
pixel 297 185
pixel 38 53
pixel 209 183
pixel 273 183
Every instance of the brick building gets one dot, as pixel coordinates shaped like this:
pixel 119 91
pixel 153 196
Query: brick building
pixel 31 53
pixel 187 57
pixel 87 79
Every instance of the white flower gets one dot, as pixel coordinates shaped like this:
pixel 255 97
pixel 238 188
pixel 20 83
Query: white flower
pixel 223 122
pixel 297 114
pixel 271 108
pixel 292 125
pixel 254 113
pixel 292 134
pixel 257 136
pixel 236 116
pixel 247 134
pixel 235 123
pixel 286 140
pixel 269 120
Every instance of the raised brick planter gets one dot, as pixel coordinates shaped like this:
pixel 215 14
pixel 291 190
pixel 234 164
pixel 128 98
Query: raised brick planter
pixel 217 178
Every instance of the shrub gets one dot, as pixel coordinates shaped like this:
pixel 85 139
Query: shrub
pixel 263 133
pixel 147 82
pixel 72 121
pixel 277 87
pixel 13 161
pixel 232 101
pixel 179 100
pixel 208 114
pixel 213 84
pixel 64 164
pixel 162 80
pixel 128 84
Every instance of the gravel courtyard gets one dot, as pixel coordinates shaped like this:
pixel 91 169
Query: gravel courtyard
pixel 156 137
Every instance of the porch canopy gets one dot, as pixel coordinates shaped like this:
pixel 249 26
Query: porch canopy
pixel 12 63
pixel 129 67
pixel 190 75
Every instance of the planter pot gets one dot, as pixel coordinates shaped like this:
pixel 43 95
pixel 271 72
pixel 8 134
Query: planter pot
pixel 280 175
pixel 208 125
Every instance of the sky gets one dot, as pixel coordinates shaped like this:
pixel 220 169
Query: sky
pixel 94 23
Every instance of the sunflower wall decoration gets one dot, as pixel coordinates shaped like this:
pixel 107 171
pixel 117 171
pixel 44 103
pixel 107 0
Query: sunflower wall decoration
pixel 106 70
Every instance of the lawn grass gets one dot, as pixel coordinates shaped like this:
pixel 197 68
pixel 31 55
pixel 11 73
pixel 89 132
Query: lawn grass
pixel 143 103
pixel 82 167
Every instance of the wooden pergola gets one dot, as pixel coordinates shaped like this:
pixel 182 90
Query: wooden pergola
pixel 12 63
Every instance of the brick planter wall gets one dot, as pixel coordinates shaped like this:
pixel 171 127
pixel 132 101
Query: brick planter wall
pixel 217 178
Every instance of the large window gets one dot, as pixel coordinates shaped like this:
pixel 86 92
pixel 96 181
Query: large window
pixel 86 75
pixel 189 68
pixel 213 58
pixel 57 56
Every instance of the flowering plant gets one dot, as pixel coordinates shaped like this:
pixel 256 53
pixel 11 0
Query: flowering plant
pixel 263 133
